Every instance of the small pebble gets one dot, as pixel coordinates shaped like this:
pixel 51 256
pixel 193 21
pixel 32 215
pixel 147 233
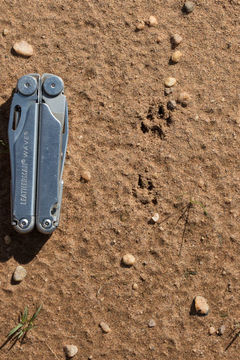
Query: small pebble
pixel 5 32
pixel 151 323
pixel 170 81
pixel 221 330
pixel 155 217
pixel 176 39
pixel 201 305
pixel 176 56
pixel 105 328
pixel 70 350
pixel 19 273
pixel 23 48
pixel 86 175
pixel 135 286
pixel 183 98
pixel 188 7
pixel 211 330
pixel 128 259
pixel 171 105
pixel 152 21
pixel 140 25
pixel 168 91
pixel 7 240
pixel 159 39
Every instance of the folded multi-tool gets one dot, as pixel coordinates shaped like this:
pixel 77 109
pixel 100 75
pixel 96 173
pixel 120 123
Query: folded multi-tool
pixel 38 133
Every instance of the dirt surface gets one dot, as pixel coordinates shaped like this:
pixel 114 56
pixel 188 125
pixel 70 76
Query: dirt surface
pixel 143 159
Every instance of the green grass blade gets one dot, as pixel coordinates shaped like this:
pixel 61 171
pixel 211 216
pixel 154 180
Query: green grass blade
pixel 14 330
pixel 25 315
pixel 20 334
pixel 35 314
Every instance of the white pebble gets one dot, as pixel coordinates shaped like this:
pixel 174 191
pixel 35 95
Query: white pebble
pixel 135 286
pixel 176 39
pixel 201 305
pixel 221 330
pixel 188 7
pixel 7 239
pixel 70 350
pixel 128 259
pixel 155 217
pixel 23 48
pixel 19 273
pixel 211 330
pixel 170 81
pixel 5 32
pixel 140 25
pixel 152 21
pixel 105 327
pixel 151 323
pixel 176 56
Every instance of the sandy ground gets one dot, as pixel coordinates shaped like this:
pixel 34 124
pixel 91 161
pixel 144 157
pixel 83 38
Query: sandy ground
pixel 142 161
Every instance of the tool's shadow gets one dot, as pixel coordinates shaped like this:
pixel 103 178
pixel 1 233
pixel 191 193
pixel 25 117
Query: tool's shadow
pixel 22 247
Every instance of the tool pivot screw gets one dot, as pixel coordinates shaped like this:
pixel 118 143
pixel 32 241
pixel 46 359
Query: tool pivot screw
pixel 23 223
pixel 46 223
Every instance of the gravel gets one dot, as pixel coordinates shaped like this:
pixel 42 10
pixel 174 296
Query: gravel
pixel 188 7
pixel 201 305
pixel 221 330
pixel 176 56
pixel 170 81
pixel 23 48
pixel 171 105
pixel 152 21
pixel 176 39
pixel 70 351
pixel 105 327
pixel 7 239
pixel 140 25
pixel 19 273
pixel 151 323
pixel 128 259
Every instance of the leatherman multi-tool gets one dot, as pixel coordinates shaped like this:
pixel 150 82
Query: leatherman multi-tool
pixel 38 133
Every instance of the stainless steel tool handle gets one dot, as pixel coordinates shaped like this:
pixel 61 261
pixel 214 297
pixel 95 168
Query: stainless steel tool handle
pixel 23 133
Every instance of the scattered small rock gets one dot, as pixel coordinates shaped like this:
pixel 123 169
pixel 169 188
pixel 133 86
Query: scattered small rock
pixel 159 39
pixel 171 105
pixel 188 7
pixel 86 175
pixel 155 218
pixel 221 330
pixel 151 323
pixel 201 305
pixel 212 330
pixel 176 56
pixel 168 91
pixel 105 328
pixel 128 259
pixel 19 273
pixel 176 39
pixel 70 350
pixel 5 32
pixel 183 98
pixel 23 48
pixel 7 239
pixel 152 21
pixel 140 25
pixel 170 81
pixel 135 286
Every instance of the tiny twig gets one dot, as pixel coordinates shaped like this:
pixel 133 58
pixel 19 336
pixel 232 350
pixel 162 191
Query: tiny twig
pixel 233 339
pixel 185 226
pixel 52 351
